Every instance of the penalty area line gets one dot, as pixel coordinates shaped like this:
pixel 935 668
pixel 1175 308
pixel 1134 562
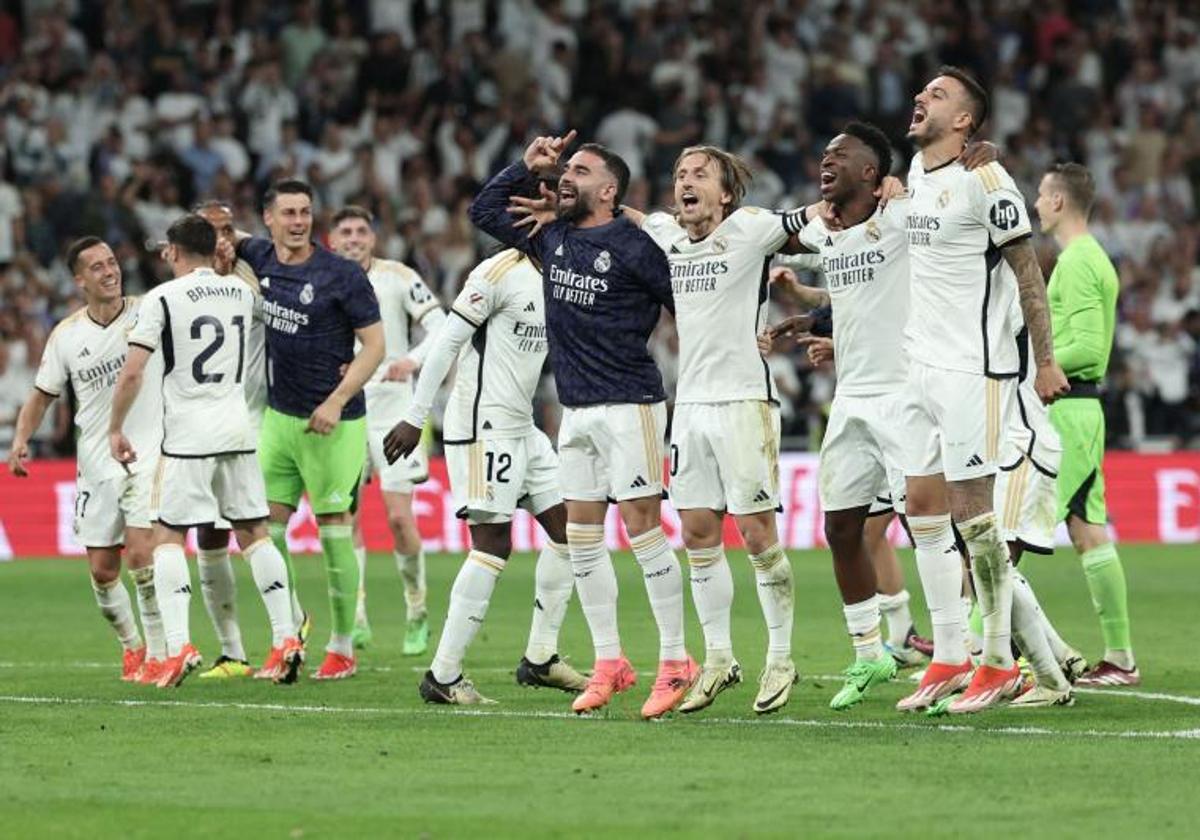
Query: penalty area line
pixel 1011 731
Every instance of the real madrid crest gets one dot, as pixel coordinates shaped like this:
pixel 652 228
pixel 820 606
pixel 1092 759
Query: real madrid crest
pixel 719 244
pixel 943 200
pixel 306 294
pixel 873 233
pixel 603 262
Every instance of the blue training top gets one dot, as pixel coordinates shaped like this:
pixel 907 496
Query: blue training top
pixel 311 311
pixel 603 286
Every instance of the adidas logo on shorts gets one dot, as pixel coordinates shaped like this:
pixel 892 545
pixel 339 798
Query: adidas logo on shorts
pixel 975 461
pixel 638 482
pixel 762 496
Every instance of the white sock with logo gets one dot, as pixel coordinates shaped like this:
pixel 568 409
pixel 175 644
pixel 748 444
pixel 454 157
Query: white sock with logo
pixel 664 586
pixel 271 578
pixel 469 598
pixel 940 567
pixel 596 583
pixel 117 609
pixel 173 588
pixel 218 588
pixel 712 593
pixel 776 596
pixel 553 581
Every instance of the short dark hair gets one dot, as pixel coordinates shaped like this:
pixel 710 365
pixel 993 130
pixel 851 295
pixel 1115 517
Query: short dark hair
pixel 878 143
pixel 976 95
pixel 77 248
pixel 193 234
pixel 353 211
pixel 1077 184
pixel 288 186
pixel 616 166
pixel 211 204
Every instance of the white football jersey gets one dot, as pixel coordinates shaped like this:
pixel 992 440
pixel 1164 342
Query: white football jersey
pixel 404 299
pixel 961 286
pixel 255 374
pixel 499 370
pixel 720 290
pixel 866 273
pixel 199 324
pixel 87 357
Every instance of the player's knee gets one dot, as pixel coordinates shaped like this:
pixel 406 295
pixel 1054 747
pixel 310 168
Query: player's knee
pixel 641 515
pixel 842 532
pixel 495 540
pixel 700 531
pixel 104 573
pixel 401 523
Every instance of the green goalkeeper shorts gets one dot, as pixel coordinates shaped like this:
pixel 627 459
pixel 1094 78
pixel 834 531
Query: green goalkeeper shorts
pixel 1080 425
pixel 327 466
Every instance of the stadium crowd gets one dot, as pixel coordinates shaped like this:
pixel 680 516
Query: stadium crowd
pixel 118 115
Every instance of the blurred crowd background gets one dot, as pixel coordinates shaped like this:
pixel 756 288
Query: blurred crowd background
pixel 117 115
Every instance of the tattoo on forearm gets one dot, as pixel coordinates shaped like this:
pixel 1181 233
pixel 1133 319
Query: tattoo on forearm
pixel 1032 288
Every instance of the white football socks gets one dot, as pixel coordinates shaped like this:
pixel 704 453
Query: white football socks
pixel 1027 628
pixel 271 578
pixel 143 582
pixel 596 583
pixel 894 609
pixel 940 568
pixel 173 587
pixel 469 599
pixel 553 581
pixel 412 572
pixel 664 586
pixel 776 596
pixel 117 609
pixel 992 573
pixel 712 593
pixel 219 590
pixel 862 623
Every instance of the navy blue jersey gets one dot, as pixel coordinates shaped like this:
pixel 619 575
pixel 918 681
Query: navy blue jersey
pixel 603 286
pixel 822 321
pixel 311 311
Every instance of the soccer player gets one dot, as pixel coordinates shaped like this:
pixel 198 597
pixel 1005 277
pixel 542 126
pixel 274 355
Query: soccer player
pixel 217 583
pixel 498 461
pixel 404 299
pixel 1083 296
pixel 604 282
pixel 197 323
pixel 968 235
pixel 112 504
pixel 314 438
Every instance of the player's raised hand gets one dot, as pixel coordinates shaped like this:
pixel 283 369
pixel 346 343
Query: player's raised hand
pixel 534 213
pixel 978 153
pixel 120 447
pixel 820 349
pixel 792 327
pixel 324 418
pixel 543 153
pixel 891 187
pixel 400 441
pixel 17 457
pixel 1050 382
pixel 400 371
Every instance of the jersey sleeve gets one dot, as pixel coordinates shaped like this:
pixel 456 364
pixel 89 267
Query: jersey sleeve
pixel 489 210
pixel 765 229
pixel 151 319
pixel 358 298
pixel 661 227
pixel 255 252
pixel 52 373
pixel 657 273
pixel 812 235
pixel 479 295
pixel 998 204
pixel 418 300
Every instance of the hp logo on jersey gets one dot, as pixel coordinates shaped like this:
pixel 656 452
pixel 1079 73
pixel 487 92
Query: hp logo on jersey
pixel 1004 214
pixel 306 294
pixel 603 262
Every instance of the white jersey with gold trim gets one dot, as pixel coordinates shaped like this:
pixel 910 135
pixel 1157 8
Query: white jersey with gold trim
pixel 958 220
pixel 866 272
pixel 404 299
pixel 720 290
pixel 87 357
pixel 498 371
pixel 199 323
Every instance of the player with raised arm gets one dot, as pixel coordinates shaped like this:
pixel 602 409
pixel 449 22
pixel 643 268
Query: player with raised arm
pixel 197 324
pixel 1083 299
pixel 968 236
pixel 498 461
pixel 404 300
pixel 604 281
pixel 112 504
pixel 314 437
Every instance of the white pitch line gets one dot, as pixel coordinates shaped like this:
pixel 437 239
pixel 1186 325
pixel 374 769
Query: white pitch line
pixel 1028 731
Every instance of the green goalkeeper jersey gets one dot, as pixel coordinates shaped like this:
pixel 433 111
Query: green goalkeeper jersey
pixel 1083 308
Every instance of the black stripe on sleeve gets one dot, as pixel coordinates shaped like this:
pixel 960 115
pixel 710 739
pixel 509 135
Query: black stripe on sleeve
pixel 49 394
pixel 794 220
pixel 168 343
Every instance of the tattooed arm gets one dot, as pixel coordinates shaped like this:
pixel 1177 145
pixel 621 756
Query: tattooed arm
pixel 1050 383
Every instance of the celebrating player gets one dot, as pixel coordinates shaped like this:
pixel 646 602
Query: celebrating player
pixel 968 234
pixel 315 304
pixel 604 282
pixel 498 461
pixel 112 505
pixel 403 299
pixel 1083 297
pixel 197 323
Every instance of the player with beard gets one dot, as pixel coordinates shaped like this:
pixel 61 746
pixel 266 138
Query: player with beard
pixel 968 236
pixel 604 283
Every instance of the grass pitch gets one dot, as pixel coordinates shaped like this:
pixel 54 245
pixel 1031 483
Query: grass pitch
pixel 84 755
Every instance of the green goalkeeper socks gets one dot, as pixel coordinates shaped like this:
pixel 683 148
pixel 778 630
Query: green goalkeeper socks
pixel 1106 581
pixel 342 568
